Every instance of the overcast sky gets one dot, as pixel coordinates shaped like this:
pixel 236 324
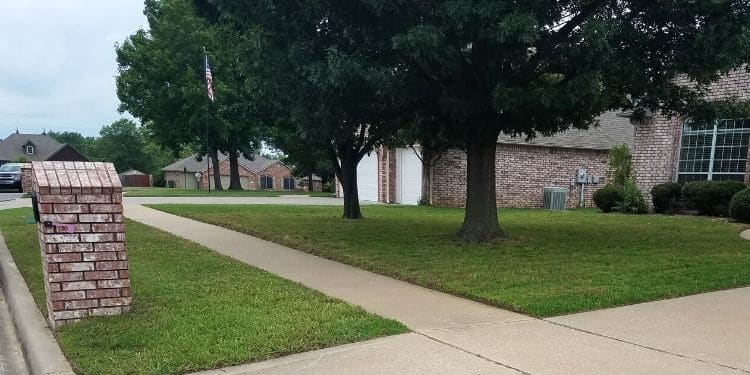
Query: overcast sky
pixel 57 63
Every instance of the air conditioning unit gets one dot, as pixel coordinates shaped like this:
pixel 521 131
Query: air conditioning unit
pixel 554 198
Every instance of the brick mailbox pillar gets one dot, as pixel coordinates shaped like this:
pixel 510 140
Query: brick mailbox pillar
pixel 82 239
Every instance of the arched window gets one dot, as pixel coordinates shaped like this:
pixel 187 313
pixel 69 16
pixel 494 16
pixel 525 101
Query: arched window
pixel 714 151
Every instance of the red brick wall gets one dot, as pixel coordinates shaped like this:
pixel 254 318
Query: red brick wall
pixel 522 172
pixel 82 240
pixel 386 174
pixel 656 148
pixel 224 171
pixel 26 184
pixel 277 171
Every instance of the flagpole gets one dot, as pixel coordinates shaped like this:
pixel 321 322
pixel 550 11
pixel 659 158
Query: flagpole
pixel 208 151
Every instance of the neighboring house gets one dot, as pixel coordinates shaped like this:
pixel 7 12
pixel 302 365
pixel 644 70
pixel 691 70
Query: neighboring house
pixel 523 168
pixel 257 174
pixel 37 147
pixel 677 150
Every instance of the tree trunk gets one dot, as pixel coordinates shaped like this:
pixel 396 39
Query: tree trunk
pixel 310 183
pixel 426 176
pixel 480 219
pixel 234 171
pixel 217 171
pixel 348 180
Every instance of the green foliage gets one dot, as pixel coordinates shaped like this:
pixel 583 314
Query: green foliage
pixel 84 145
pixel 711 197
pixel 20 159
pixel 739 206
pixel 601 261
pixel 185 293
pixel 665 196
pixel 620 164
pixel 607 197
pixel 632 199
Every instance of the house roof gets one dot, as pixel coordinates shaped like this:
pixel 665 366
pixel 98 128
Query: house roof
pixel 614 129
pixel 190 164
pixel 44 147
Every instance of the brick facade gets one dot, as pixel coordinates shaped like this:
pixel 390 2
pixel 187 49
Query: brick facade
pixel 254 183
pixel 656 146
pixel 522 172
pixel 277 172
pixel 386 175
pixel 26 183
pixel 82 240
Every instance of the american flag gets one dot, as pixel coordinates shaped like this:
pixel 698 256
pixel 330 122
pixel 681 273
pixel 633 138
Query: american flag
pixel 209 81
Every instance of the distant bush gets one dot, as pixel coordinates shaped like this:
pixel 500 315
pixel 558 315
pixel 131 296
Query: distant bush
pixel 711 197
pixel 739 207
pixel 620 164
pixel 632 201
pixel 607 197
pixel 665 196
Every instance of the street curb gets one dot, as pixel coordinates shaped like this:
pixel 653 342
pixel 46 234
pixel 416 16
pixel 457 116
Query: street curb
pixel 40 349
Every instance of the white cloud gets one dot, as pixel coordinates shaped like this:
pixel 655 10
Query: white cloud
pixel 58 63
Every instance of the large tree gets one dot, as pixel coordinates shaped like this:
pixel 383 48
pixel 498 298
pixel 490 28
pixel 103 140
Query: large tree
pixel 540 67
pixel 161 81
pixel 328 74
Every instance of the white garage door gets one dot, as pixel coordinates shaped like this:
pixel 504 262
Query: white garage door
pixel 367 178
pixel 408 176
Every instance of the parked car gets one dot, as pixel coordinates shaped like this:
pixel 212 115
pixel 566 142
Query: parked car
pixel 10 176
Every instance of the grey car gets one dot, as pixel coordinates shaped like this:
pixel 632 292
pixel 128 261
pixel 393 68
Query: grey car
pixel 10 176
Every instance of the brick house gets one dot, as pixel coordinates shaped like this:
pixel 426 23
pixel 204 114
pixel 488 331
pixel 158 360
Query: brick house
pixel 257 174
pixel 523 168
pixel 37 147
pixel 676 150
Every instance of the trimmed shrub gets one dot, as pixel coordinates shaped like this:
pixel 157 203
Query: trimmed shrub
pixel 632 200
pixel 739 207
pixel 665 196
pixel 607 198
pixel 711 197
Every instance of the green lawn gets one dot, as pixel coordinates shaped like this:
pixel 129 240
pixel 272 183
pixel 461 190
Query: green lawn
pixel 194 309
pixel 167 192
pixel 553 263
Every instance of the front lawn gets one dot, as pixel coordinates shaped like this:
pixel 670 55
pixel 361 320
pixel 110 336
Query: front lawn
pixel 553 263
pixel 194 309
pixel 168 192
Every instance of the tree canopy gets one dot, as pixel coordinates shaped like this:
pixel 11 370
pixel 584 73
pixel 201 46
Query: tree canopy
pixel 460 72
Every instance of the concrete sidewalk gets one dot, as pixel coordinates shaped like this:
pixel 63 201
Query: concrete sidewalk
pixel 454 327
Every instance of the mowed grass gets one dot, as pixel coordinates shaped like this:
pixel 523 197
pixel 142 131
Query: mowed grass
pixel 194 309
pixel 553 263
pixel 170 192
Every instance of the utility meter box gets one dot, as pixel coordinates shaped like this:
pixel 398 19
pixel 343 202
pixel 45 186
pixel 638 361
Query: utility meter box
pixel 581 175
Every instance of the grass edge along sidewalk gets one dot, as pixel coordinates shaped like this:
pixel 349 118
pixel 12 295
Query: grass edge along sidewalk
pixel 554 263
pixel 194 309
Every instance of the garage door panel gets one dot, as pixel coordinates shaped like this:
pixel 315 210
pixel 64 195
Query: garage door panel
pixel 408 176
pixel 367 178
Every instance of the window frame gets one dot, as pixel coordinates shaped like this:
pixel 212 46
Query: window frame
pixel 266 182
pixel 30 150
pixel 715 133
pixel 291 185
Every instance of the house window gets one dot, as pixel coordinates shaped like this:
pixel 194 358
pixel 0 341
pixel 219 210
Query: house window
pixel 288 183
pixel 30 150
pixel 266 182
pixel 716 151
